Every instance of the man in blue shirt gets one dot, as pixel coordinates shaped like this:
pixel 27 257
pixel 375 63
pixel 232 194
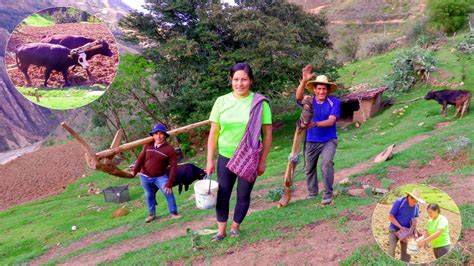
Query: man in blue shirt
pixel 403 210
pixel 321 136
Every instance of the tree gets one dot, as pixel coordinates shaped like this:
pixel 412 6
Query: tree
pixel 448 15
pixel 200 39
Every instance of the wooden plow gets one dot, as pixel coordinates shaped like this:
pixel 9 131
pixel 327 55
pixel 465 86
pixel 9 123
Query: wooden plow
pixel 102 161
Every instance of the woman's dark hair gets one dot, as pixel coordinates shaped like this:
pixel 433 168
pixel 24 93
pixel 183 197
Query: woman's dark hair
pixel 241 66
pixel 434 207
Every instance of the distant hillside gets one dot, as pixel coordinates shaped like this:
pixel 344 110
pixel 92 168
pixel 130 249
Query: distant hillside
pixel 373 21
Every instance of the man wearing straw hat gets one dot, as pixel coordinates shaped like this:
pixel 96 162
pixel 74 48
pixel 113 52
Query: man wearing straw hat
pixel 321 136
pixel 403 211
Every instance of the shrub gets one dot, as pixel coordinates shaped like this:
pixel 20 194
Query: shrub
pixel 275 194
pixel 378 46
pixel 467 44
pixel 409 67
pixel 448 15
pixel 458 145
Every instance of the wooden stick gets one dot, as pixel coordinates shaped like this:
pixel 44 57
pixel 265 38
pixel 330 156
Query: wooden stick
pixel 91 158
pixel 115 144
pixel 412 100
pixel 37 95
pixel 144 141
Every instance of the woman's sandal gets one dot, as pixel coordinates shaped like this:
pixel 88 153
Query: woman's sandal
pixel 234 233
pixel 217 237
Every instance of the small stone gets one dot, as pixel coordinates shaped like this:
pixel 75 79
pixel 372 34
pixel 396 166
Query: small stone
pixel 357 192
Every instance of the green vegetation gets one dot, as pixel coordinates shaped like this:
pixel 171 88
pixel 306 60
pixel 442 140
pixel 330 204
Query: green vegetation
pixel 63 98
pixel 370 255
pixel 26 235
pixel 409 67
pixel 39 20
pixel 448 15
pixel 201 40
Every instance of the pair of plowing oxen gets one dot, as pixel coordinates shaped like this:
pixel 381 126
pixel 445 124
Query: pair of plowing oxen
pixel 59 52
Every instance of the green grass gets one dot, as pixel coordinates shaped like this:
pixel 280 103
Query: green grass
pixel 38 20
pixel 264 225
pixel 61 98
pixel 370 70
pixel 369 255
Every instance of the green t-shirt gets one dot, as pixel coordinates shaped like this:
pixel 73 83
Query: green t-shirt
pixel 439 223
pixel 232 115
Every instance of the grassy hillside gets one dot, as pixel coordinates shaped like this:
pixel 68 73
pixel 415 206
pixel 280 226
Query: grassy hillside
pixel 31 229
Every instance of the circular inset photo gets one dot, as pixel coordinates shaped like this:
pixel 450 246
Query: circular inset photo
pixel 416 223
pixel 61 58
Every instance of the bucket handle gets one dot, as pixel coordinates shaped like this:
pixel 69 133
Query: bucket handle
pixel 210 179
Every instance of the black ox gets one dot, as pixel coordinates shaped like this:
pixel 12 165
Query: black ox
pixel 459 98
pixel 51 56
pixel 75 41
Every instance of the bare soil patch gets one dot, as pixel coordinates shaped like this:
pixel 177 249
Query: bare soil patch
pixel 40 174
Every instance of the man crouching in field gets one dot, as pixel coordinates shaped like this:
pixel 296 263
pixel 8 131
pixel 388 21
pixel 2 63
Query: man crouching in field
pixel 152 163
pixel 321 137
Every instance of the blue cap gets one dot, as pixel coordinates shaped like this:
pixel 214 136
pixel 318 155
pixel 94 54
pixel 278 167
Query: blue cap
pixel 159 127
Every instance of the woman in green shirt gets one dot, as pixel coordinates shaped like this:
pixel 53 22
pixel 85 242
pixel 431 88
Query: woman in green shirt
pixel 229 118
pixel 437 232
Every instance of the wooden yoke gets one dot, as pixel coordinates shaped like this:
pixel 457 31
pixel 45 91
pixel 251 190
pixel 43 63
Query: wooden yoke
pixel 102 161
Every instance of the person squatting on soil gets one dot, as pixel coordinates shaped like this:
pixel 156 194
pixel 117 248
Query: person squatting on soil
pixel 321 136
pixel 151 164
pixel 229 118
pixel 437 232
pixel 403 210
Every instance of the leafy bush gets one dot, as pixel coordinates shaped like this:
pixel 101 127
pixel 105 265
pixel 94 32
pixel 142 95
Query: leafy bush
pixel 378 46
pixel 467 44
pixel 414 32
pixel 448 15
pixel 458 145
pixel 275 194
pixel 349 45
pixel 409 67
pixel 70 15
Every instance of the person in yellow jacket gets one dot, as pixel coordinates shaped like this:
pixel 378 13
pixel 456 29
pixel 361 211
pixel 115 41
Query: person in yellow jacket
pixel 437 232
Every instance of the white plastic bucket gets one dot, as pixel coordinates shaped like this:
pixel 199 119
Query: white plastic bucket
pixel 206 198
pixel 412 247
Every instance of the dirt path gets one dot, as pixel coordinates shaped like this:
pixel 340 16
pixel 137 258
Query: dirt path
pixel 360 22
pixel 115 251
pixel 305 247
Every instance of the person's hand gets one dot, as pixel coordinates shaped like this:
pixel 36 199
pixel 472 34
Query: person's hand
pixel 210 167
pixel 261 168
pixel 168 190
pixel 133 173
pixel 312 124
pixel 307 73
pixel 421 243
